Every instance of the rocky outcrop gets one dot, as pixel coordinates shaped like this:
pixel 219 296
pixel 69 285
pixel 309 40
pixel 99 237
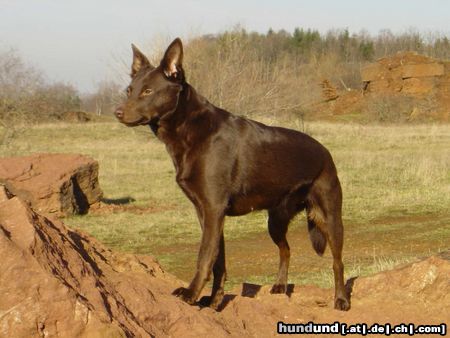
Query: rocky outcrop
pixel 56 282
pixel 407 72
pixel 57 184
pixel 406 86
pixel 59 282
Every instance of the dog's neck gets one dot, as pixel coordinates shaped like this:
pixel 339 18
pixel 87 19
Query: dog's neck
pixel 188 126
pixel 191 106
pixel 171 119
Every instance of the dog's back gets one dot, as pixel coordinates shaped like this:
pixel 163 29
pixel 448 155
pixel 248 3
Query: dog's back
pixel 262 164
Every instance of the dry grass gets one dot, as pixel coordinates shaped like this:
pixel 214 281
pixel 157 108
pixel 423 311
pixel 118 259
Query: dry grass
pixel 387 172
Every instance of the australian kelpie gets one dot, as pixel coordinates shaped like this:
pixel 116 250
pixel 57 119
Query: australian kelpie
pixel 229 166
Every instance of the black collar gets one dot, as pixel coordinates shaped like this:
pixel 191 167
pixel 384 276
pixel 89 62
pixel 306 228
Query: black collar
pixel 154 125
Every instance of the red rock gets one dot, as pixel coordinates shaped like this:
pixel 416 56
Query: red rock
pixel 57 184
pixel 58 282
pixel 420 80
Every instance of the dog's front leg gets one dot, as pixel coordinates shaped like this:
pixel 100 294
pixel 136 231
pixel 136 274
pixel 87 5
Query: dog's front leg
pixel 219 272
pixel 209 248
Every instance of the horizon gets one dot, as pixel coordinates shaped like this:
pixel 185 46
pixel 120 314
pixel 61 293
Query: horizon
pixel 71 42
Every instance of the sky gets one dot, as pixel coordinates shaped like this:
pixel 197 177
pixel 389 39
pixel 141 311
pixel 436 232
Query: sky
pixel 80 42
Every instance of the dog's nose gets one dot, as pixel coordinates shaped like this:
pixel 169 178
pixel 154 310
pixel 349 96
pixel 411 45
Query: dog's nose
pixel 119 113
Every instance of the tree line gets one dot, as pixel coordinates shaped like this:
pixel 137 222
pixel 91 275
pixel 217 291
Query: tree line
pixel 246 72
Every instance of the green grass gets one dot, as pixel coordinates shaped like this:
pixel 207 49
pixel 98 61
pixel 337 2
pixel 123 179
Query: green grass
pixel 395 179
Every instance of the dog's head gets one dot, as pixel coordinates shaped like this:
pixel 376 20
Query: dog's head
pixel 154 91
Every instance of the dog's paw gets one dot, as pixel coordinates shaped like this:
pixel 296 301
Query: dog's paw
pixel 342 304
pixel 278 288
pixel 184 294
pixel 216 301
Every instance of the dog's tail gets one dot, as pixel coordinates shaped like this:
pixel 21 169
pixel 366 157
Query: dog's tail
pixel 318 238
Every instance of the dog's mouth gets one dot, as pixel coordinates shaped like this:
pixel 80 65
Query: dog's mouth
pixel 143 121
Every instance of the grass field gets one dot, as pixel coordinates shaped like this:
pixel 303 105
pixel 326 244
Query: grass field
pixel 396 184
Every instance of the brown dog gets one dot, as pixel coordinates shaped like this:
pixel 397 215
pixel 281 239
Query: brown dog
pixel 229 166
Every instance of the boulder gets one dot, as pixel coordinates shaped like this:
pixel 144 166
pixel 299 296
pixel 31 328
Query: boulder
pixel 58 184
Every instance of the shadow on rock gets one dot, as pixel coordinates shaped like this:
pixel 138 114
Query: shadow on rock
pixel 206 300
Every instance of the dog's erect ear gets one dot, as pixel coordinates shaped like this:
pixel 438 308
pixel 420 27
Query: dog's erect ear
pixel 173 59
pixel 139 61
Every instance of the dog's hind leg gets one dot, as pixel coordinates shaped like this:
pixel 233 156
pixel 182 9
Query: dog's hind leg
pixel 278 223
pixel 335 240
pixel 279 218
pixel 325 221
pixel 335 237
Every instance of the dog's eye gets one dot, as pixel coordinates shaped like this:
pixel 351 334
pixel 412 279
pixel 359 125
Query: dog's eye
pixel 128 91
pixel 147 92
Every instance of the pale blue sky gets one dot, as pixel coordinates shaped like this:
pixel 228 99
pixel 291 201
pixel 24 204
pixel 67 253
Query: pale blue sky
pixel 74 41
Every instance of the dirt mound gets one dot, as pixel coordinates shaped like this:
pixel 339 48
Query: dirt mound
pixel 56 184
pixel 59 282
pixel 414 86
pixel 406 73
